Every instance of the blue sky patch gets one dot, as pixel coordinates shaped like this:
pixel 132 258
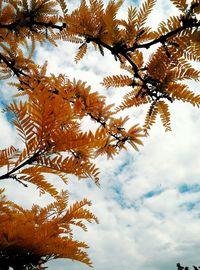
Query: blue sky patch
pixel 135 2
pixel 189 188
pixel 152 193
pixel 189 206
pixel 118 196
pixel 9 115
pixel 122 167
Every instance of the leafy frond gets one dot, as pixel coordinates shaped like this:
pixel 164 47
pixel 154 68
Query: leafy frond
pixel 150 118
pixel 117 81
pixel 184 70
pixel 132 15
pixel 180 4
pixel 63 6
pixel 23 122
pixel 131 102
pixel 172 23
pixel 6 154
pixel 33 175
pixel 71 165
pixel 108 149
pixel 163 111
pixel 81 52
pixel 191 52
pixel 76 211
pixel 40 234
pixel 137 58
pixel 181 92
pixel 143 12
pixel 67 36
pixel 134 134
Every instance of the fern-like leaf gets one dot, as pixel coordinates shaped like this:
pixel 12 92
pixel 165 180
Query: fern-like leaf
pixel 163 111
pixel 180 4
pixel 150 118
pixel 181 92
pixel 117 81
pixel 81 52
pixel 34 176
pixel 6 154
pixel 63 6
pixel 143 12
pixel 76 211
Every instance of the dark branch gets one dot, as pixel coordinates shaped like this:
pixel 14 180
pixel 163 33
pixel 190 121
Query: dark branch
pixel 162 39
pixel 30 24
pixel 27 162
pixel 10 65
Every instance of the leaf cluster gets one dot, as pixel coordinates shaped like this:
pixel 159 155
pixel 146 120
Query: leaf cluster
pixel 30 238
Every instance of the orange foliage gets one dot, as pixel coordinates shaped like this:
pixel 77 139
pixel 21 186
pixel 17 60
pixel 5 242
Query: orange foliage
pixel 33 237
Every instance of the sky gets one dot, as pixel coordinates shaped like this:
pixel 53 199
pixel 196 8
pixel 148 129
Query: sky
pixel 148 203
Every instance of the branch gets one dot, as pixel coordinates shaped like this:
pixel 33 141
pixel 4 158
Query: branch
pixel 30 24
pixel 27 162
pixel 161 39
pixel 119 138
pixel 10 64
pixel 19 181
pixel 115 51
pixel 123 51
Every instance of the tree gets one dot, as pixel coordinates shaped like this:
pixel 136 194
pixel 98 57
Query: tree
pixel 49 109
pixel 29 238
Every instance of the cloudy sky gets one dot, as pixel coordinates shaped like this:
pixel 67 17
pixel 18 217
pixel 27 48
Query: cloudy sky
pixel 148 204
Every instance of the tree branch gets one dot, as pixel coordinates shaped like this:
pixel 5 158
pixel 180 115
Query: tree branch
pixel 9 64
pixel 27 162
pixel 30 24
pixel 162 38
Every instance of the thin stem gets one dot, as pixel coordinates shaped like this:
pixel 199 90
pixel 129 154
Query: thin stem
pixel 27 162
pixel 162 38
pixel 31 23
pixel 15 70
